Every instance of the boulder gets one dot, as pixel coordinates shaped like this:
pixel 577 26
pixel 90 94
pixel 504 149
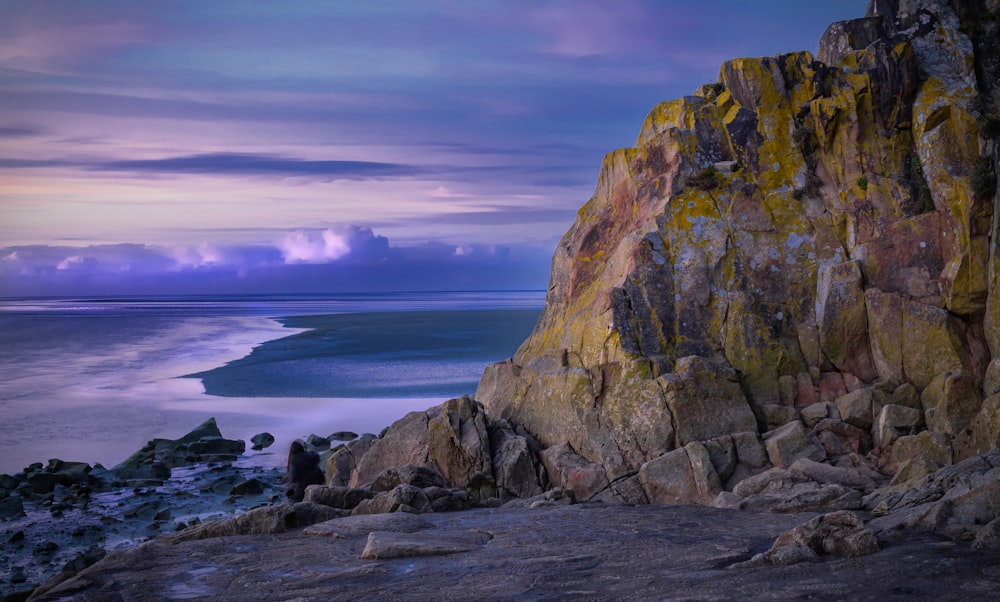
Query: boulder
pixel 784 490
pixel 840 534
pixel 451 438
pixel 814 414
pixel 516 466
pixel 11 507
pixel 418 476
pixel 986 427
pixel 682 476
pixel 569 470
pixel 317 443
pixel 856 409
pixel 402 498
pixel 951 402
pixel 789 443
pixel 261 441
pixel 894 422
pixel 342 462
pixel 345 498
pixel 933 447
pixel 706 401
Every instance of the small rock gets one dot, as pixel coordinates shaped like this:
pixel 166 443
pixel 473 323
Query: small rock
pixel 251 486
pixel 342 436
pixel 315 442
pixel 261 441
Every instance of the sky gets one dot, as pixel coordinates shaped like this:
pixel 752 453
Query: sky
pixel 236 146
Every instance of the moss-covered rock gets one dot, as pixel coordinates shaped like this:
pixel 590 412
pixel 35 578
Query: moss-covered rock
pixel 842 239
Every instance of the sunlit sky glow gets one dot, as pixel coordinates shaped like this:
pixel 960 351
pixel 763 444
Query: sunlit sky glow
pixel 232 146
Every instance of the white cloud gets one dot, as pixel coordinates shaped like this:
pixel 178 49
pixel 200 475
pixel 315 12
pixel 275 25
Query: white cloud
pixel 312 247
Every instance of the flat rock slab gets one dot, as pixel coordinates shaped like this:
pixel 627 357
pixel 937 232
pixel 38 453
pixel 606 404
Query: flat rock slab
pixel 363 524
pixel 585 551
pixel 383 545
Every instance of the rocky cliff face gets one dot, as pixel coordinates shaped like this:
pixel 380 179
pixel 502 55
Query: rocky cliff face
pixel 798 261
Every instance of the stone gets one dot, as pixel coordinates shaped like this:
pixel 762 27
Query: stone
pixel 706 402
pixel 789 443
pixel 893 422
pixel 839 533
pixel 682 476
pixel 342 462
pixel 934 447
pixel 812 415
pixel 986 426
pixel 387 545
pixel 452 438
pixel 568 469
pixel 261 441
pixel 782 490
pixel 831 386
pixel 806 393
pixel 345 498
pixel 418 476
pixel 516 465
pixel 864 480
pixel 951 402
pixel 11 507
pixel 251 486
pixel 912 473
pixel 775 415
pixel 838 437
pixel 856 408
pixel 787 389
pixel 403 498
pixel 317 443
pixel 843 322
pixel 342 436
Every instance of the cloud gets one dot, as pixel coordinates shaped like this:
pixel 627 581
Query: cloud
pixel 260 164
pixel 331 260
pixel 15 131
pixel 304 247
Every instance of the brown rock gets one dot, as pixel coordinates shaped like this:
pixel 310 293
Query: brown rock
pixel 835 534
pixel 568 469
pixel 789 443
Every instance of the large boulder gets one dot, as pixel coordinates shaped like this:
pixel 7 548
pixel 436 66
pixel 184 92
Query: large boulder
pixel 451 439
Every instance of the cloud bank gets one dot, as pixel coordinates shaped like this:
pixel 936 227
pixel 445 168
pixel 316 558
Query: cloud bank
pixel 332 260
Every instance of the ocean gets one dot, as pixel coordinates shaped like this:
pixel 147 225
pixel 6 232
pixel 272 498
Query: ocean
pixel 94 379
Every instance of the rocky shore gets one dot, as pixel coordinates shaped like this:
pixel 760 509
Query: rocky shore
pixel 218 528
pixel 60 517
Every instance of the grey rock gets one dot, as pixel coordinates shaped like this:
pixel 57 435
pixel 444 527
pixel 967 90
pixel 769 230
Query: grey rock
pixel 382 545
pixel 261 441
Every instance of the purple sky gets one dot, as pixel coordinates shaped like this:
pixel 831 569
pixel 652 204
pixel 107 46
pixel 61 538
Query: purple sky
pixel 319 146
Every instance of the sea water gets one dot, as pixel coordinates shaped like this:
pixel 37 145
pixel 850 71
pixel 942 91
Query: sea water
pixel 94 379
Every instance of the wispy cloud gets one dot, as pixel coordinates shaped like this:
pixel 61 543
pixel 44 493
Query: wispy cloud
pixel 261 164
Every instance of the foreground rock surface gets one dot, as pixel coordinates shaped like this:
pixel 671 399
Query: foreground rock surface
pixel 583 551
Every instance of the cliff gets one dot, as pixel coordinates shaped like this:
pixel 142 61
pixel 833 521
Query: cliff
pixel 799 260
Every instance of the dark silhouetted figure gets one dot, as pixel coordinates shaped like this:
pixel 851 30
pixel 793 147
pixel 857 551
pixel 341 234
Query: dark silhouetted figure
pixel 303 471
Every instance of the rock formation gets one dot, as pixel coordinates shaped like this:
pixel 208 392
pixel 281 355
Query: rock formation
pixel 799 260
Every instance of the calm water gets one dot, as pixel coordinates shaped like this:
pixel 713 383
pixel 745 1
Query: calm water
pixel 94 379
